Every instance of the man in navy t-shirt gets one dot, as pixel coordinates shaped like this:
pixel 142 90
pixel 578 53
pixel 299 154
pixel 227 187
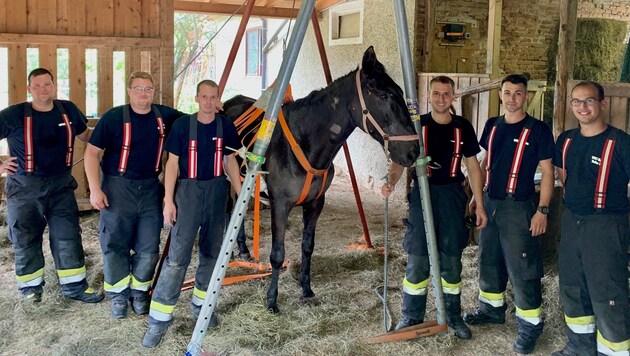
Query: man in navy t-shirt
pixel 509 248
pixel 448 139
pixel 40 188
pixel 129 196
pixel 594 165
pixel 197 154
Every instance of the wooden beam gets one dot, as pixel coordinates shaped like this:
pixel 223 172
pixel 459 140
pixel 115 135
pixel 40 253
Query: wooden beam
pixel 3 15
pixel 493 55
pixel 31 16
pixel 105 80
pixel 564 63
pixel 46 17
pixel 76 75
pixel 88 41
pixel 428 34
pixel 76 17
pixel 166 53
pixel 62 17
pixel 48 58
pixel 16 16
pixel 17 73
pixel 187 6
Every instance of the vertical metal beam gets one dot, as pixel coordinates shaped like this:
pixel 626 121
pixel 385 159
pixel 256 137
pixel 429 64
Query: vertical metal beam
pixel 346 150
pixel 254 166
pixel 421 166
pixel 565 60
pixel 235 45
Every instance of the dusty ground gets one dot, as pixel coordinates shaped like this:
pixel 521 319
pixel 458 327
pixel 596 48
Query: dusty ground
pixel 343 279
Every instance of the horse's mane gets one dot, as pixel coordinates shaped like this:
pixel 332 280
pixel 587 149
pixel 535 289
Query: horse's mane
pixel 316 96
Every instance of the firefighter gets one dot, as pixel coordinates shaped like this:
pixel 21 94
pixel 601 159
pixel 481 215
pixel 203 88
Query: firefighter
pixel 197 152
pixel 447 138
pixel 594 165
pixel 40 189
pixel 129 196
pixel 509 248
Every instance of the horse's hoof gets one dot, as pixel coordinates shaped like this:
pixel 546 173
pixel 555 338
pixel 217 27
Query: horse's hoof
pixel 313 300
pixel 245 256
pixel 273 308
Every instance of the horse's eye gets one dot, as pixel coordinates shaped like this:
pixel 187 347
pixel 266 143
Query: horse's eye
pixel 383 96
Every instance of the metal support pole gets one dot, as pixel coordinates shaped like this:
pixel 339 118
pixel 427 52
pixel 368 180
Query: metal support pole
pixel 254 166
pixel 421 166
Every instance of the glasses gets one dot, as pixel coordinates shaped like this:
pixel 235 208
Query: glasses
pixel 142 90
pixel 587 101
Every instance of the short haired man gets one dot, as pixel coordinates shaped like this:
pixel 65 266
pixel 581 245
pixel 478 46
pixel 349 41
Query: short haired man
pixel 197 152
pixel 594 164
pixel 447 138
pixel 129 195
pixel 40 188
pixel 516 144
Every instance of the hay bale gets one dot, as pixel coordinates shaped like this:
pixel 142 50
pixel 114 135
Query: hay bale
pixel 599 49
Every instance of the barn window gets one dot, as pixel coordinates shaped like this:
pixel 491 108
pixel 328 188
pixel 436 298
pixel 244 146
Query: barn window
pixel 345 23
pixel 254 52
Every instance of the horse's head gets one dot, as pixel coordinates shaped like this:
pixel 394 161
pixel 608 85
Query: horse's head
pixel 385 114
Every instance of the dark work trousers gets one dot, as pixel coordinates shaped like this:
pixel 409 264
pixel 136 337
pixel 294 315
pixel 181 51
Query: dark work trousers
pixel 200 208
pixel 449 206
pixel 33 202
pixel 130 234
pixel 593 263
pixel 507 250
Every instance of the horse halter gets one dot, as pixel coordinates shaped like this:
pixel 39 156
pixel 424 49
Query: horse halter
pixel 367 116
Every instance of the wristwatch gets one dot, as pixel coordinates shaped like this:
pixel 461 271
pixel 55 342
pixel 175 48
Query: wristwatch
pixel 543 210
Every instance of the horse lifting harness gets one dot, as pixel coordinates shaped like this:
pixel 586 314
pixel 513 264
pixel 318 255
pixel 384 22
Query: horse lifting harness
pixel 367 116
pixel 29 155
pixel 604 166
pixel 126 141
pixel 510 189
pixel 193 147
pixel 457 150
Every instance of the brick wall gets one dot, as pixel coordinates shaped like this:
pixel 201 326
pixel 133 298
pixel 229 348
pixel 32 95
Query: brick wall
pixel 528 29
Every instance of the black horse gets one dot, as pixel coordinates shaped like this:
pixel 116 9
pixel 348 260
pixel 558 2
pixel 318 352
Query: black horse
pixel 320 123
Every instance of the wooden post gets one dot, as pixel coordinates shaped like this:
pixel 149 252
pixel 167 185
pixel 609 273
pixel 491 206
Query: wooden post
pixel 428 35
pixel 166 52
pixel 564 62
pixel 495 11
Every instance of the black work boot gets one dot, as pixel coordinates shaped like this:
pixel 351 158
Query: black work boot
pixel 453 305
pixel 578 344
pixel 119 306
pixel 413 308
pixel 486 314
pixel 140 304
pixel 153 336
pixel 527 336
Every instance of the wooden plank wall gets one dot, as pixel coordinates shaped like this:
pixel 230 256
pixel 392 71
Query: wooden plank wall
pixel 142 29
pixel 617 111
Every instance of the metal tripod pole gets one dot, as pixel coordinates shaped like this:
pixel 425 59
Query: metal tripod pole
pixel 255 161
pixel 421 166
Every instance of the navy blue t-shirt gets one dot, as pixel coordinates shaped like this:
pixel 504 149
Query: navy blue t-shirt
pixel 539 147
pixel 49 136
pixel 441 143
pixel 178 140
pixel 108 135
pixel 583 159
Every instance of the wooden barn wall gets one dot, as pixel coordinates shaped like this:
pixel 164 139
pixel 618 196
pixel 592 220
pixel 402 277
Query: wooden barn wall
pixel 142 29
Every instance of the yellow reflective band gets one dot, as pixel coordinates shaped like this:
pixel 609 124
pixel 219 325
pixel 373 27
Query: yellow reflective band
pixel 531 313
pixel 29 277
pixel 580 320
pixel 122 283
pixel 162 308
pixel 451 288
pixel 614 346
pixel 62 273
pixel 137 283
pixel 421 285
pixel 491 296
pixel 199 293
pixel 89 290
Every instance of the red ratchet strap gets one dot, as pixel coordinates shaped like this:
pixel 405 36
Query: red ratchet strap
pixel 126 141
pixel 29 156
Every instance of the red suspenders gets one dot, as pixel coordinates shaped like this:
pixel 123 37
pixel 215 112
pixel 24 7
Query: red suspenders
pixel 126 141
pixel 457 150
pixel 516 160
pixel 193 147
pixel 602 174
pixel 29 155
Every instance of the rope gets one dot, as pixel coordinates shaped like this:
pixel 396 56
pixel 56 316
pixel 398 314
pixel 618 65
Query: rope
pixel 387 317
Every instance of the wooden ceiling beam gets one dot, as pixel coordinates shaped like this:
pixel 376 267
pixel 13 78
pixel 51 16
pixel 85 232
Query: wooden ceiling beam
pixel 267 8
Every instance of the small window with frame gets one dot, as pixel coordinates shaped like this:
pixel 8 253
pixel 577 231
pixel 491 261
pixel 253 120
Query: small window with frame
pixel 345 23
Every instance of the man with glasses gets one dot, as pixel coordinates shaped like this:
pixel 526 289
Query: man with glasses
pixel 129 194
pixel 594 165
pixel 516 144
pixel 40 189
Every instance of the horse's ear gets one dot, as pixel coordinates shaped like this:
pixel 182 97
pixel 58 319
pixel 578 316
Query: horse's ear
pixel 370 64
